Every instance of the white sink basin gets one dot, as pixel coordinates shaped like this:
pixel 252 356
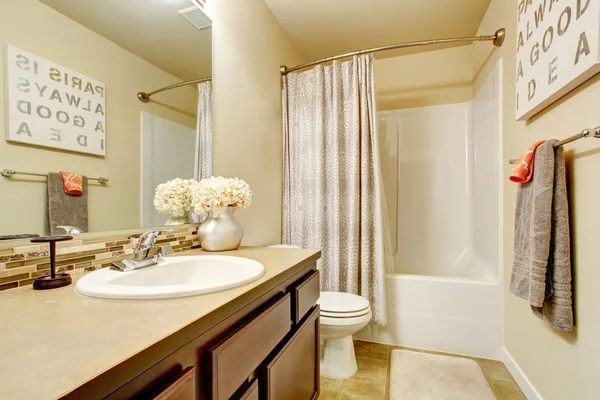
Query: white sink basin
pixel 173 277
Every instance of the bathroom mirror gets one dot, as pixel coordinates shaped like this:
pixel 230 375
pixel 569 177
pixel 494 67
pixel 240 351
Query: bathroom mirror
pixel 78 96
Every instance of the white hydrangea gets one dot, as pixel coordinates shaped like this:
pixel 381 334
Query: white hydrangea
pixel 175 197
pixel 217 193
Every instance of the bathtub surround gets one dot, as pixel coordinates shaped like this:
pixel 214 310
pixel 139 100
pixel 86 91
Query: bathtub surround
pixel 542 264
pixel 458 173
pixel 332 179
pixel 574 356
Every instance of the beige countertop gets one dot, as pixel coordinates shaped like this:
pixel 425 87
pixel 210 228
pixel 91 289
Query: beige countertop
pixel 52 341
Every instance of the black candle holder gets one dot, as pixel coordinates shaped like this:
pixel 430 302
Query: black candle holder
pixel 54 280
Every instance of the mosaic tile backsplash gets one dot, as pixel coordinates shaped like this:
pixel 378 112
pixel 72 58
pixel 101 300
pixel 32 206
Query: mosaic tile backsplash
pixel 20 266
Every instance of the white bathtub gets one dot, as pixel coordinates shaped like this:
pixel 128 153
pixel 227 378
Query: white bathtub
pixel 455 315
pixel 441 172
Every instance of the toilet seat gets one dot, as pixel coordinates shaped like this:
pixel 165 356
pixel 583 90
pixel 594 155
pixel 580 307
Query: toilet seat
pixel 342 304
pixel 350 321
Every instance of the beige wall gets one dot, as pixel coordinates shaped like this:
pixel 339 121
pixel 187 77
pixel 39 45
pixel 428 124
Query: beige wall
pixel 424 79
pixel 34 27
pixel 248 48
pixel 559 365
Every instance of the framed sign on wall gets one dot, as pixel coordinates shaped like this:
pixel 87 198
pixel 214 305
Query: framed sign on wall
pixel 52 106
pixel 558 48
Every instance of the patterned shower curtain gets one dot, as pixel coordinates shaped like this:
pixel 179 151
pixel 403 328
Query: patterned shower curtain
pixel 204 134
pixel 332 196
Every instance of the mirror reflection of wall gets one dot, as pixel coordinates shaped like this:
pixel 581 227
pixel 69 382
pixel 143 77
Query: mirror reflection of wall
pixel 122 47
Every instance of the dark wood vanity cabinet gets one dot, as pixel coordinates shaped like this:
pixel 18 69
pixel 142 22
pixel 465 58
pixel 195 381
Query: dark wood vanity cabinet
pixel 182 387
pixel 293 371
pixel 263 345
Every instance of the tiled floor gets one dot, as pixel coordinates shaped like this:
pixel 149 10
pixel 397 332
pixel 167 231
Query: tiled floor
pixel 371 380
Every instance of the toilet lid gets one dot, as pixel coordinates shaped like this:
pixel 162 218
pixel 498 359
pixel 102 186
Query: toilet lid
pixel 339 302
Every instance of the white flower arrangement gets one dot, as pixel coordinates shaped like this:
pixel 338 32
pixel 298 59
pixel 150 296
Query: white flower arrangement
pixel 218 193
pixel 175 197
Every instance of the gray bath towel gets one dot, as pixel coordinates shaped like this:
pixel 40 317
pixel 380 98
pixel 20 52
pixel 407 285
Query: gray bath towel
pixel 66 209
pixel 542 265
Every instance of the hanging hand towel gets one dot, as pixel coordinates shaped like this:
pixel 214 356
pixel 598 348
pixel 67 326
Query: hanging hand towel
pixel 66 209
pixel 542 265
pixel 523 169
pixel 72 182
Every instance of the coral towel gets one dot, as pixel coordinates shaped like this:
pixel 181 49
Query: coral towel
pixel 523 170
pixel 73 183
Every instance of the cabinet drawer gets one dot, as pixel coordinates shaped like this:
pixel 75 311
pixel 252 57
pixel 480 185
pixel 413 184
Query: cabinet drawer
pixel 305 295
pixel 182 387
pixel 235 358
pixel 294 371
pixel 250 392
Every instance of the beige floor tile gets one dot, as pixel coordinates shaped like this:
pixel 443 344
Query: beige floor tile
pixel 373 363
pixel 362 389
pixel 496 371
pixel 373 350
pixel 506 390
pixel 330 388
pixel 372 368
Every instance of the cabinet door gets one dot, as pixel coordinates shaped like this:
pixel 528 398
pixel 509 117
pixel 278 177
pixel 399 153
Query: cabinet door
pixel 251 391
pixel 235 358
pixel 293 372
pixel 182 387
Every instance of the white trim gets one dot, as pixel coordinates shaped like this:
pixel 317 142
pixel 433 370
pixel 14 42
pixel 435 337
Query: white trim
pixel 524 383
pixel 500 71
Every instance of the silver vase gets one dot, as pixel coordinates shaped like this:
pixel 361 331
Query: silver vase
pixel 221 231
pixel 180 219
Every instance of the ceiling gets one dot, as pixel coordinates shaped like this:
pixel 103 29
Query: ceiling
pixel 150 29
pixel 323 28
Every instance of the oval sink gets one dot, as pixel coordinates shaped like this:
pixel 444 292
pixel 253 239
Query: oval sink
pixel 172 277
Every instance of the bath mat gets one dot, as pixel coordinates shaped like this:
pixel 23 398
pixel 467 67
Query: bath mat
pixel 422 376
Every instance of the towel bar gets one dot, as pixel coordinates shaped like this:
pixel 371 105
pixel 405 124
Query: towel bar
pixel 7 173
pixel 583 134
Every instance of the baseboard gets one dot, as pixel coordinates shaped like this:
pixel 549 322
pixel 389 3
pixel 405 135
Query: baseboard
pixel 524 383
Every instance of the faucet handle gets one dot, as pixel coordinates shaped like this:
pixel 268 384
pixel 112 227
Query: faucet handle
pixel 146 241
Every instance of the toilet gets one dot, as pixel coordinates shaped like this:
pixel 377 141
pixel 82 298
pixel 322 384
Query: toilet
pixel 342 315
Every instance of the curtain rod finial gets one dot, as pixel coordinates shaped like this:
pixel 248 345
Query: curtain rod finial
pixel 283 70
pixel 500 35
pixel 143 97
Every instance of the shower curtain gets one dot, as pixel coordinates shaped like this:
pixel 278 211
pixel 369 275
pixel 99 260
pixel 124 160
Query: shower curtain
pixel 332 196
pixel 203 158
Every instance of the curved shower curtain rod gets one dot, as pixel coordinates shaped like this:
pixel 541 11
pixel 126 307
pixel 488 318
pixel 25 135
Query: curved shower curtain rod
pixel 145 97
pixel 497 39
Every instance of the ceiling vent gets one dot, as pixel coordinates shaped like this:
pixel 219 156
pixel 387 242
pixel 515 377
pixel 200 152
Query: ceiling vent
pixel 199 3
pixel 196 16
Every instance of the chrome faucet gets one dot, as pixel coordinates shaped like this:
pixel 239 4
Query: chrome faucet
pixel 143 255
